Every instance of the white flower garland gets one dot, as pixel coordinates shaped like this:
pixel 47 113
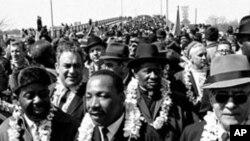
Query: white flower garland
pixel 58 91
pixel 86 129
pixel 44 130
pixel 188 85
pixel 135 117
pixel 211 129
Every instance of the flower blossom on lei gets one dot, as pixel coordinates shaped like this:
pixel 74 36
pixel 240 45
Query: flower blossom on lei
pixel 86 129
pixel 44 130
pixel 211 129
pixel 134 116
pixel 188 85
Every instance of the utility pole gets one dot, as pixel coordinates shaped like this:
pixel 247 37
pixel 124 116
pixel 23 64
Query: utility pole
pixel 52 25
pixel 167 20
pixel 161 6
pixel 195 16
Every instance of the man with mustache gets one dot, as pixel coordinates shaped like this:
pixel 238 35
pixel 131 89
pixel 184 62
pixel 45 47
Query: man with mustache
pixel 151 93
pixel 67 93
pixel 107 118
pixel 229 87
pixel 34 117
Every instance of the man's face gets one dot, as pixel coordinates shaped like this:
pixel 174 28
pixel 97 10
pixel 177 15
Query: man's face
pixel 149 76
pixel 230 112
pixel 116 66
pixel 198 57
pixel 132 48
pixel 17 53
pixel 96 52
pixel 223 49
pixel 104 103
pixel 34 101
pixel 70 68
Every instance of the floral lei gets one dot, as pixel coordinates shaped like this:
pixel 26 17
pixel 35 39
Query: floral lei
pixel 44 129
pixel 134 117
pixel 58 91
pixel 211 129
pixel 188 85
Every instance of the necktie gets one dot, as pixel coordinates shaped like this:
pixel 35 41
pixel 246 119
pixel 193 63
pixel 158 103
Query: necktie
pixel 64 98
pixel 225 137
pixel 104 133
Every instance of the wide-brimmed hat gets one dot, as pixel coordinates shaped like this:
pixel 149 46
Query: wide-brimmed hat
pixel 244 26
pixel 228 71
pixel 116 51
pixel 147 53
pixel 93 41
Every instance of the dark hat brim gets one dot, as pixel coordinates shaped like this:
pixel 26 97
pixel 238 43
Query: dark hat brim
pixel 135 62
pixel 113 57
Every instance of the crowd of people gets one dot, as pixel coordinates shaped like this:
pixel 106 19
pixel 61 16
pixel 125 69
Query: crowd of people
pixel 135 80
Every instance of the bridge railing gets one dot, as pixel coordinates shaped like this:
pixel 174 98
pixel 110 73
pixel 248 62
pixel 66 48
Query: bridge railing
pixel 58 30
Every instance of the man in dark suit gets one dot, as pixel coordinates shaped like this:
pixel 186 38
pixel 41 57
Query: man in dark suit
pixel 229 87
pixel 34 117
pixel 67 93
pixel 116 59
pixel 107 118
pixel 152 94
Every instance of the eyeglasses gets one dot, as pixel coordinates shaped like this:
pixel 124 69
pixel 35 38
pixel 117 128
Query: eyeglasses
pixel 237 98
pixel 224 51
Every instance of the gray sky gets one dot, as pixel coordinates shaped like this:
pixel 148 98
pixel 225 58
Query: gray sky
pixel 23 13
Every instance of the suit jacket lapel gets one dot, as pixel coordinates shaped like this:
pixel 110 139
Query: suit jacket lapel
pixel 75 103
pixel 157 107
pixel 193 83
pixel 143 108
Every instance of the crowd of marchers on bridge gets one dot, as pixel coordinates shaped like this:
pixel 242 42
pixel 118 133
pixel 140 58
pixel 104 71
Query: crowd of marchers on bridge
pixel 136 80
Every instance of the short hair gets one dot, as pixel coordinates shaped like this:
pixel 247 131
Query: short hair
pixel 19 44
pixel 69 46
pixel 212 34
pixel 117 80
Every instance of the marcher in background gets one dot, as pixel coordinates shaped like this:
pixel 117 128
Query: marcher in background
pixel 224 48
pixel 211 36
pixel 68 91
pixel 95 49
pixel 194 75
pixel 229 96
pixel 35 118
pixel 151 96
pixel 18 56
pixel 116 59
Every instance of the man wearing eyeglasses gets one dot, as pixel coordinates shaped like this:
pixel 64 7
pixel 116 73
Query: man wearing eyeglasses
pixel 229 87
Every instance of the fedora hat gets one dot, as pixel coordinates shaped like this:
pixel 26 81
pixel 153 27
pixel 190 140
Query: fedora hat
pixel 116 51
pixel 93 41
pixel 228 71
pixel 244 26
pixel 147 53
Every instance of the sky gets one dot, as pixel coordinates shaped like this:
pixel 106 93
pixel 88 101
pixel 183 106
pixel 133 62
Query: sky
pixel 23 13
